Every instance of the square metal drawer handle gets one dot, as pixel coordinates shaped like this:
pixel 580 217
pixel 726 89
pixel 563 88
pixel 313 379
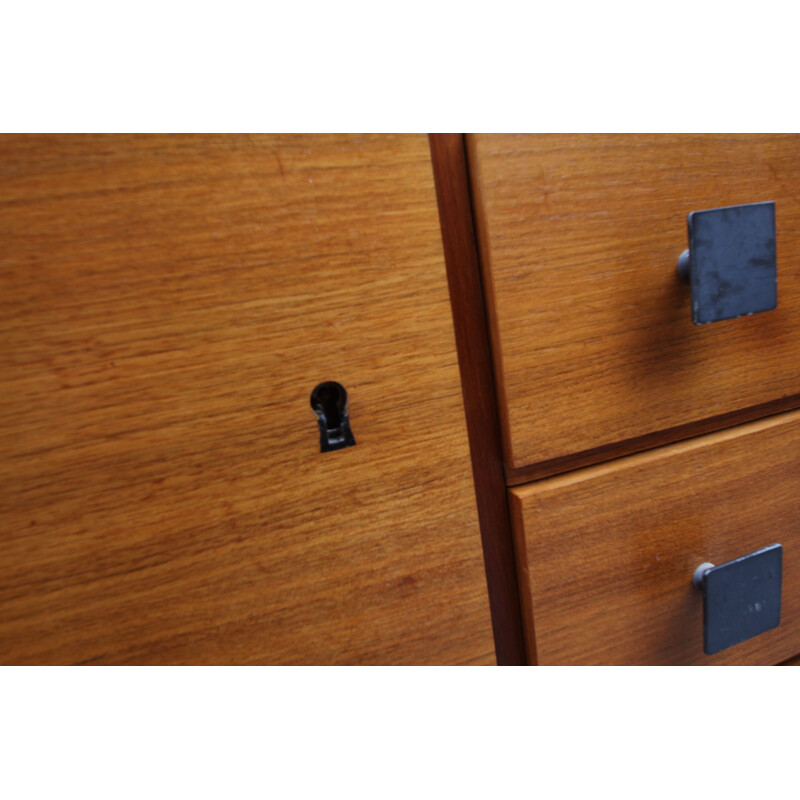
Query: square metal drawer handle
pixel 741 598
pixel 731 262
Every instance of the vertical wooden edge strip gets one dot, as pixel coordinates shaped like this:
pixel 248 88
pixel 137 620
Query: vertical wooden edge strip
pixel 523 574
pixel 451 177
pixel 481 222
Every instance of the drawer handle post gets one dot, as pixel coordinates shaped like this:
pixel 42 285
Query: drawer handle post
pixel 731 262
pixel 741 598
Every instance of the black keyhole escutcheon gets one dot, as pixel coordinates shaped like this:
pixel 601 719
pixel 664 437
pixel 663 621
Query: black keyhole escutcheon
pixel 329 403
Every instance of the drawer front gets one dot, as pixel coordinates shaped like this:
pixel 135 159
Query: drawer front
pixel 592 328
pixel 607 554
pixel 168 305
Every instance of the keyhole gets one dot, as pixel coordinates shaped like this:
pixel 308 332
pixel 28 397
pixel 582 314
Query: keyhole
pixel 329 403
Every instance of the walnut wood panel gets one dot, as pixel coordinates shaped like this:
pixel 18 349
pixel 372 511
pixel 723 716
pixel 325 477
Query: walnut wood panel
pixel 168 305
pixel 592 333
pixel 607 554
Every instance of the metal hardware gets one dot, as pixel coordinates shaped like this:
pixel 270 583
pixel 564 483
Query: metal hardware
pixel 699 574
pixel 731 262
pixel 741 598
pixel 329 403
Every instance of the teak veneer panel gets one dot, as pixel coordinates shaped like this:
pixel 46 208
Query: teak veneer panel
pixel 592 334
pixel 168 304
pixel 607 554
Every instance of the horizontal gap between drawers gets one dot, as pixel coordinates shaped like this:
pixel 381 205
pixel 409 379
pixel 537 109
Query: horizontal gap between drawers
pixel 586 458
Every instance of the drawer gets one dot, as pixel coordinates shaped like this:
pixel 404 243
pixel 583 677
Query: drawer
pixel 606 554
pixel 168 305
pixel 592 328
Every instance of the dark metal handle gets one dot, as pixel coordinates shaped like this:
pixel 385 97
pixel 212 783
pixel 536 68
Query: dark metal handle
pixel 731 262
pixel 741 598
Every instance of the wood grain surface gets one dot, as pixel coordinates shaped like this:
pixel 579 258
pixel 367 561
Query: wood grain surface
pixel 592 333
pixel 607 554
pixel 480 404
pixel 168 303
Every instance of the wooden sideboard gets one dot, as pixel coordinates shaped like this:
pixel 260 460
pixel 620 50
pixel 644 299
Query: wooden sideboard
pixel 545 446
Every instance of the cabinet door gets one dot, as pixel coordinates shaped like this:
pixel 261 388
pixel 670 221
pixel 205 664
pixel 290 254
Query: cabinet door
pixel 607 554
pixel 592 328
pixel 168 305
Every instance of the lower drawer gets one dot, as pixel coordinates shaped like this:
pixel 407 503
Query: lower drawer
pixel 606 555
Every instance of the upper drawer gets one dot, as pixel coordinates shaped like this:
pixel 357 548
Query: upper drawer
pixel 592 332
